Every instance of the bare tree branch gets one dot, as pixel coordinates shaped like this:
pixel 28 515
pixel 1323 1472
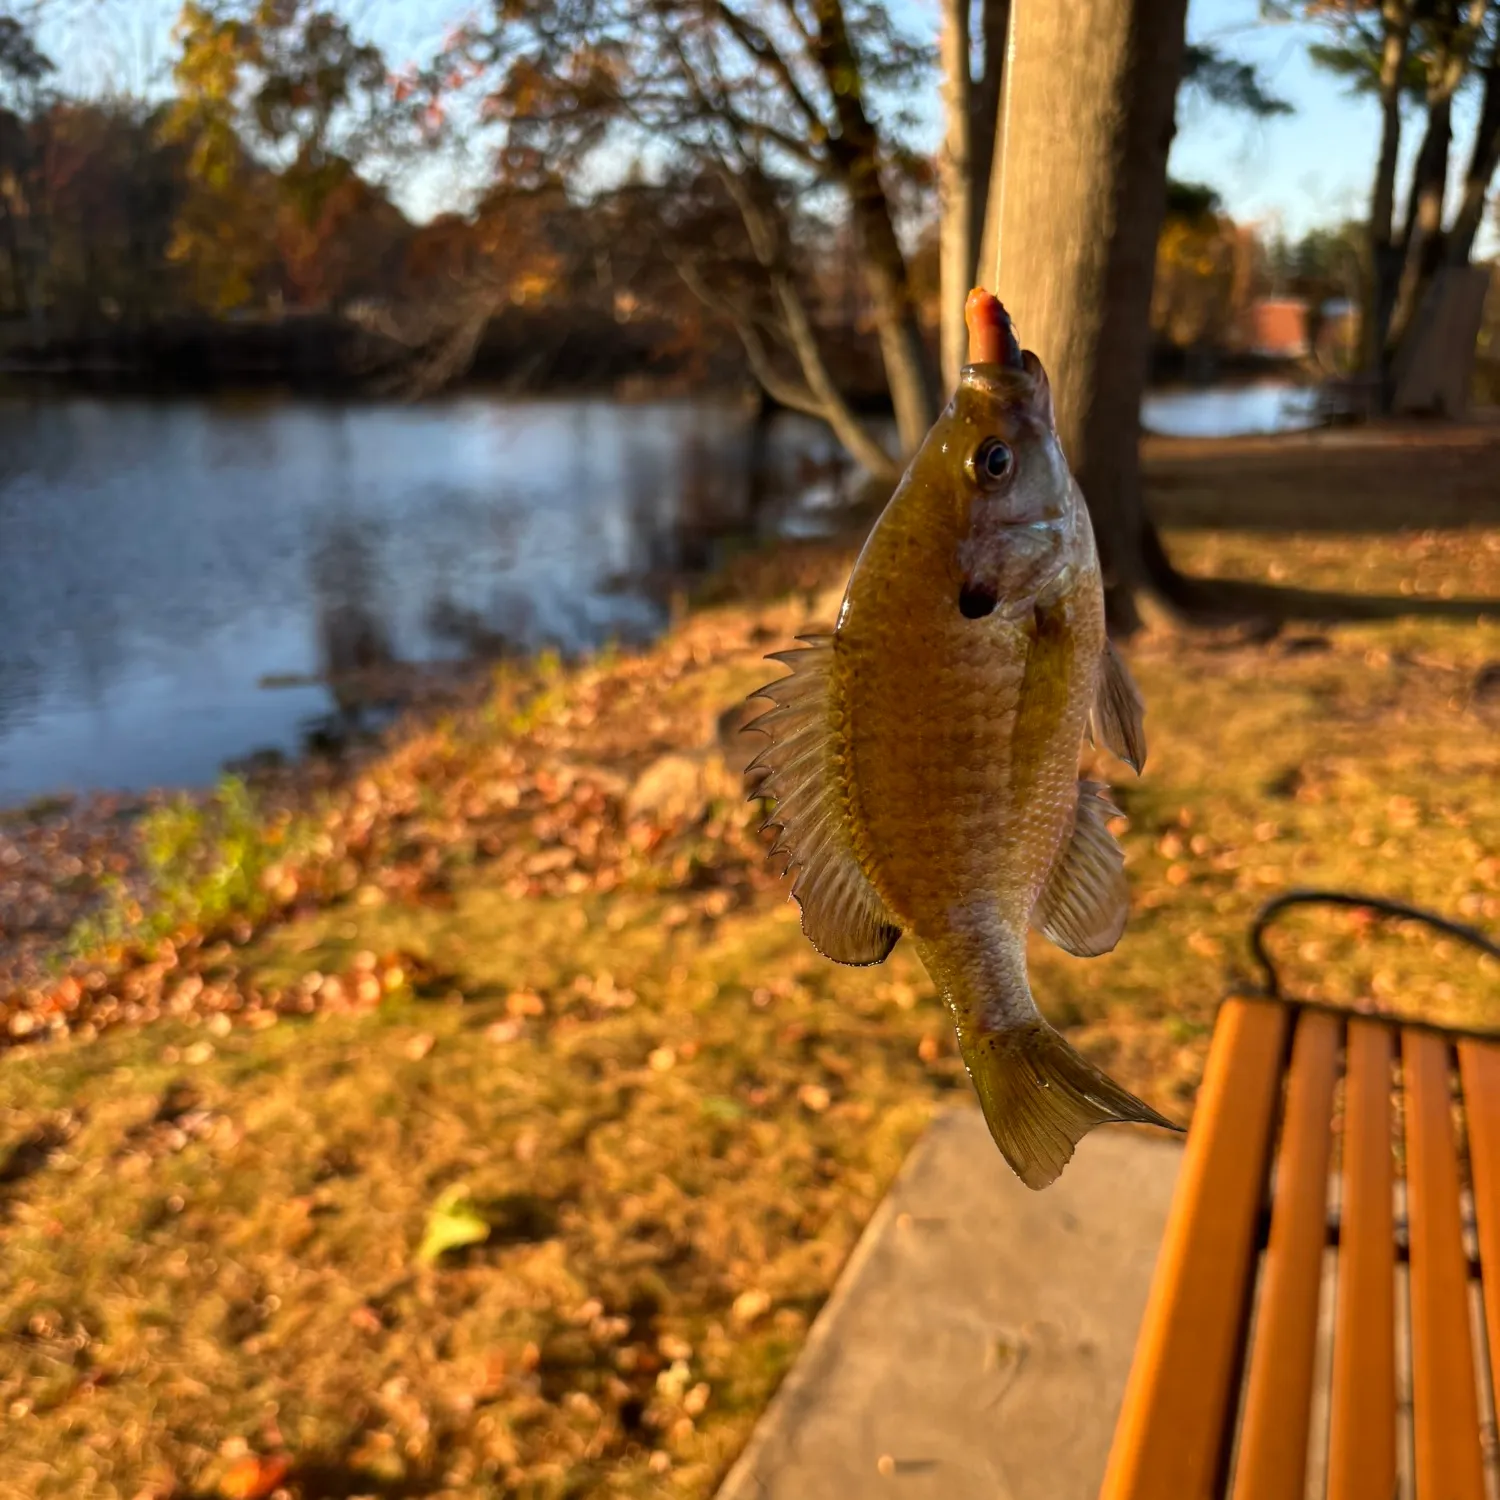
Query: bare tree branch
pixel 835 409
pixel 755 41
pixel 785 392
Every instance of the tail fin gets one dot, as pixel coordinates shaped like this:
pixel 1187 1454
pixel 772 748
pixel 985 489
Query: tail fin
pixel 1041 1097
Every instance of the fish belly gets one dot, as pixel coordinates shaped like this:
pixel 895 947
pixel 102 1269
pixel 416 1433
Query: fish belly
pixel 962 756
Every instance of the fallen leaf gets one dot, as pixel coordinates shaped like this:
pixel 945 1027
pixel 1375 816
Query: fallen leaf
pixel 452 1223
pixel 750 1305
pixel 366 1319
pixel 525 1003
pixel 254 1478
pixel 717 1107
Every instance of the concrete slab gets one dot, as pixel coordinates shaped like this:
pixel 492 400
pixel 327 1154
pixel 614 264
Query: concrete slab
pixel 978 1342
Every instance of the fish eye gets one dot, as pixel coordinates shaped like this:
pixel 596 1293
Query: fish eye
pixel 991 463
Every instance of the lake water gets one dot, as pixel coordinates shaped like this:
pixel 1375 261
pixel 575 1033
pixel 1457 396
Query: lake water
pixel 179 580
pixel 1230 411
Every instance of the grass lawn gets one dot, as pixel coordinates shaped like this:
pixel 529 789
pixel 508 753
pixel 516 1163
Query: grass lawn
pixel 535 996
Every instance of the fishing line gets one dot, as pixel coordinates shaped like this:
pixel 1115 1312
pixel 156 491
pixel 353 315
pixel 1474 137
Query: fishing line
pixel 1005 89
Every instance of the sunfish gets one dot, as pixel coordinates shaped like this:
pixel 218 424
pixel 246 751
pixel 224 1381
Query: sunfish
pixel 924 757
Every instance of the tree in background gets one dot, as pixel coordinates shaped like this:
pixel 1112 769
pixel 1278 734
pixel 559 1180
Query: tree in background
pixel 322 104
pixel 279 105
pixel 1085 118
pixel 221 237
pixel 107 190
pixel 1193 299
pixel 24 70
pixel 251 188
pixel 1453 36
pixel 87 196
pixel 1424 52
pixel 791 106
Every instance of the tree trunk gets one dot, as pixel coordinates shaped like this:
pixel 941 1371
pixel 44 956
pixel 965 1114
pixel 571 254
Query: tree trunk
pixel 1088 119
pixel 1383 271
pixel 1484 159
pixel 855 152
pixel 12 258
pixel 1424 217
pixel 1423 240
pixel 956 187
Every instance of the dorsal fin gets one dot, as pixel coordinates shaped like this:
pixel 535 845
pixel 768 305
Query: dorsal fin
pixel 1084 906
pixel 842 914
pixel 1118 711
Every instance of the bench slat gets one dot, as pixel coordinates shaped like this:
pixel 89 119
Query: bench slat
pixel 1479 1068
pixel 1362 1429
pixel 1446 1407
pixel 1272 1459
pixel 1170 1439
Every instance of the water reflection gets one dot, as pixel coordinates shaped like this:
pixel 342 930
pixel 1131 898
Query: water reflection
pixel 159 562
pixel 355 652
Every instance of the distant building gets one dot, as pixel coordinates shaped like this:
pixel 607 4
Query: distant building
pixel 1276 327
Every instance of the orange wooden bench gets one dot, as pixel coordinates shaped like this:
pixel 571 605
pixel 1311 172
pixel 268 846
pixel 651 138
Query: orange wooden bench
pixel 1344 1170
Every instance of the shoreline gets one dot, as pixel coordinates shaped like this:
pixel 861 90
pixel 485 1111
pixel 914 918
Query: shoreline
pixel 521 351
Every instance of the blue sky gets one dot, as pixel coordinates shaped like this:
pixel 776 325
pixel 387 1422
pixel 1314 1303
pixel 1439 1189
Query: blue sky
pixel 1307 169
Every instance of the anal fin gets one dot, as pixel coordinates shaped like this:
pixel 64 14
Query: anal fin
pixel 1086 901
pixel 842 913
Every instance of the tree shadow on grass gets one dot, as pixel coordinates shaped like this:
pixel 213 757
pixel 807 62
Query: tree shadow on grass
pixel 1368 483
pixel 1268 606
pixel 30 1155
pixel 1381 482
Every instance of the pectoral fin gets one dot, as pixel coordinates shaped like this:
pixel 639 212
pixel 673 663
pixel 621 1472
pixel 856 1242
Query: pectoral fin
pixel 1084 906
pixel 1118 711
pixel 842 914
